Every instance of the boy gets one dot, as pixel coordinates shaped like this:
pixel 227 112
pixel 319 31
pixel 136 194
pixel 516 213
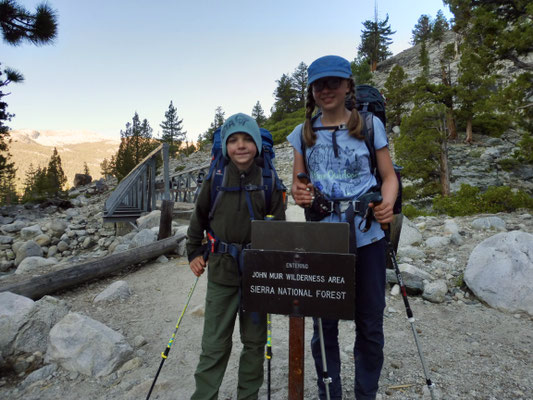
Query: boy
pixel 231 225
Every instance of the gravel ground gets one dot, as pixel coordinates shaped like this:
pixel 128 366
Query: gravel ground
pixel 472 351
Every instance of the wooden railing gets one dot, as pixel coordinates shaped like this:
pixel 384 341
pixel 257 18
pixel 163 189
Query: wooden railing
pixel 184 185
pixel 136 193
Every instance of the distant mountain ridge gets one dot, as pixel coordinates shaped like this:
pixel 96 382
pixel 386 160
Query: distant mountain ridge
pixel 61 137
pixel 75 148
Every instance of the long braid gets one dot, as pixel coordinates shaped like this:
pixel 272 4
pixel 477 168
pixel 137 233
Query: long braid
pixel 355 123
pixel 309 134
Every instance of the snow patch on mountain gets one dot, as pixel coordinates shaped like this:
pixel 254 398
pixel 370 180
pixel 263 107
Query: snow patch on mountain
pixel 53 138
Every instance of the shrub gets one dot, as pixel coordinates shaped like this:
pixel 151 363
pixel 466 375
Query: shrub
pixel 412 212
pixel 469 200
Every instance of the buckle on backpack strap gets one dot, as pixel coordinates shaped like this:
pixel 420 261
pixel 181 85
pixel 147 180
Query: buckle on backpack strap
pixel 340 207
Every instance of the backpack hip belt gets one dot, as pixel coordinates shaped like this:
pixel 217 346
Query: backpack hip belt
pixel 233 249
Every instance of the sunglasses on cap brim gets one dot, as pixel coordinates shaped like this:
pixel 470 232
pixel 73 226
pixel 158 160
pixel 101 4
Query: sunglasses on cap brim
pixel 332 82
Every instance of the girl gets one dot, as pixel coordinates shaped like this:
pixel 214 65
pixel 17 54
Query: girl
pixel 337 162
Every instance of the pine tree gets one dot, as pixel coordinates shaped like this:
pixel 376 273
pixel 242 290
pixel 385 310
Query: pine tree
pixel 424 59
pixel 18 24
pixel 173 132
pixel 258 114
pixel 447 89
pixel 135 144
pixel 474 85
pixel 440 26
pixel 375 41
pixel 286 98
pixel 499 30
pixel 207 137
pixel 7 167
pixel 503 27
pixel 421 149
pixel 8 190
pixel 106 168
pixel 422 30
pixel 86 169
pixel 396 92
pixel 299 80
pixel 55 176
pixel 361 71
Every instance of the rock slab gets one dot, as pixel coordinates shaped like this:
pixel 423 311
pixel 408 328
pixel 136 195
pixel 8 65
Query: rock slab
pixel 500 271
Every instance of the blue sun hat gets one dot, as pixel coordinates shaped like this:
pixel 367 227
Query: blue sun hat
pixel 240 123
pixel 328 66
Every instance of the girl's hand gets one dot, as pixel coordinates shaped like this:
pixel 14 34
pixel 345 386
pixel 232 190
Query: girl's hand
pixel 303 194
pixel 197 265
pixel 383 211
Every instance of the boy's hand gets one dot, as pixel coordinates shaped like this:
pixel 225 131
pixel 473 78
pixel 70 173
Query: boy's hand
pixel 197 265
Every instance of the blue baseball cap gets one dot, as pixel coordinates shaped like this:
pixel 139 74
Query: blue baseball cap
pixel 328 66
pixel 240 123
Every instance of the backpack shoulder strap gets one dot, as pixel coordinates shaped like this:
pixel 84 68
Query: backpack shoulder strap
pixel 368 132
pixel 218 180
pixel 303 145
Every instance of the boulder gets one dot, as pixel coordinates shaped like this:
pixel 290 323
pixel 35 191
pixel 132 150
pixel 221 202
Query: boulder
pixel 487 223
pixel 81 344
pixel 6 239
pixel 33 335
pixel 14 227
pixel 28 249
pixel 435 291
pixel 82 180
pixel 32 264
pixel 58 227
pixel 144 237
pixel 437 241
pixel 14 310
pixel 500 271
pixel 149 221
pixel 410 234
pixel 116 291
pixel 181 230
pixel 42 239
pixel 30 232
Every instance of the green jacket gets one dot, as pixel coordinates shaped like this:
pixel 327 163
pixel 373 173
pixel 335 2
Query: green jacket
pixel 231 221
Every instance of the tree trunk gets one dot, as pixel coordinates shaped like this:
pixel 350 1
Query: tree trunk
pixel 444 168
pixel 67 278
pixel 450 123
pixel 469 130
pixel 374 66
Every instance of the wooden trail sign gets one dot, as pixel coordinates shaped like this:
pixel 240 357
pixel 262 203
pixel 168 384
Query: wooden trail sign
pixel 294 252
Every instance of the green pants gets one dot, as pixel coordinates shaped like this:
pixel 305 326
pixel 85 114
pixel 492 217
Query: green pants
pixel 221 308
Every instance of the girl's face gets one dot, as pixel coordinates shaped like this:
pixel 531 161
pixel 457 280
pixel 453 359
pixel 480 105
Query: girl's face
pixel 241 150
pixel 330 92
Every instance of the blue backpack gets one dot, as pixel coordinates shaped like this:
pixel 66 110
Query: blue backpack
pixel 269 181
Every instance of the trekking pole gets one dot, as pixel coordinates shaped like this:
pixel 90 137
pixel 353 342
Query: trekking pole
pixel 325 377
pixel 268 353
pixel 164 354
pixel 410 316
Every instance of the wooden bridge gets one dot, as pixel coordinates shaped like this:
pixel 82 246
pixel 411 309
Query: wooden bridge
pixel 141 191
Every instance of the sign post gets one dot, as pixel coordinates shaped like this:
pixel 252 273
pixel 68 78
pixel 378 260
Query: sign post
pixel 299 269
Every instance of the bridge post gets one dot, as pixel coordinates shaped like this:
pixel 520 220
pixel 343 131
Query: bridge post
pixel 166 173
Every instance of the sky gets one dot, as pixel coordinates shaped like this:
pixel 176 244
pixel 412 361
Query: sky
pixel 112 58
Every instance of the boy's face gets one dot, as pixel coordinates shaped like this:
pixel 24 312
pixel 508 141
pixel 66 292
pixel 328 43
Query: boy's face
pixel 241 149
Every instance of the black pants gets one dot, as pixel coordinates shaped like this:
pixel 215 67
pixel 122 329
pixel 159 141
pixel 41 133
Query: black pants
pixel 370 283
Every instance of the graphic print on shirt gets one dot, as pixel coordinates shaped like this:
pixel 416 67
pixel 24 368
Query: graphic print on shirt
pixel 337 177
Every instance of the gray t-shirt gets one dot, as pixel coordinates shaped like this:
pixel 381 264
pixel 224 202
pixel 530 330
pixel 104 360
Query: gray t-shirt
pixel 345 177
